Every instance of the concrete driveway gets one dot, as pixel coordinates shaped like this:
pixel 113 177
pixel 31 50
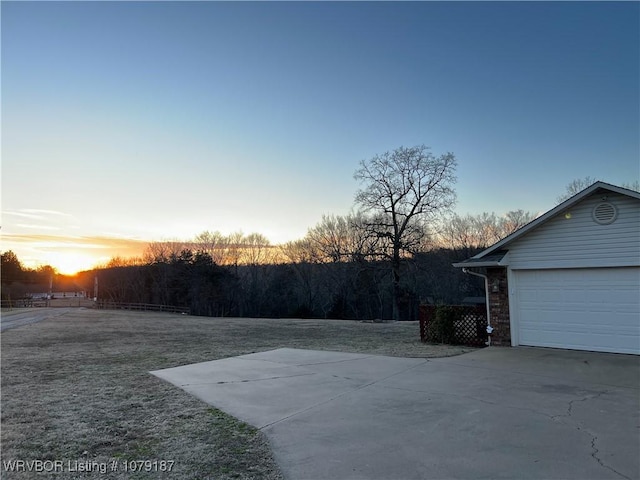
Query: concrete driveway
pixel 523 413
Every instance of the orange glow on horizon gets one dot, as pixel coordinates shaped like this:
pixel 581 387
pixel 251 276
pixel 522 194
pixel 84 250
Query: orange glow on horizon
pixel 70 263
pixel 70 255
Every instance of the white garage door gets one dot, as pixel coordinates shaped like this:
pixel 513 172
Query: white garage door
pixel 583 309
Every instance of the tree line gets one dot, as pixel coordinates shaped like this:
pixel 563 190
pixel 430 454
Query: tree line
pixel 393 252
pixel 378 262
pixel 381 261
pixel 14 272
pixel 19 281
pixel 337 270
pixel 303 287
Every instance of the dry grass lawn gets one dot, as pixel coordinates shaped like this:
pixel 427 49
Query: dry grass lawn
pixel 76 388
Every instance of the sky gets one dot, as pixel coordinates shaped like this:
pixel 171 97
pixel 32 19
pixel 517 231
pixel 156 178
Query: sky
pixel 127 122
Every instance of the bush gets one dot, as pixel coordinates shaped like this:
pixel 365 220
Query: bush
pixel 442 327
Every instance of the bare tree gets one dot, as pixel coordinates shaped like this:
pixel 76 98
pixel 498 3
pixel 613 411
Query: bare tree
pixel 256 249
pixel 330 237
pixel 162 252
pixel 479 231
pixel 363 245
pixel 579 184
pixel 635 185
pixel 299 251
pixel 512 221
pixel 342 238
pixel 576 186
pixel 233 250
pixel 119 261
pixel 225 250
pixel 212 243
pixel 469 231
pixel 401 190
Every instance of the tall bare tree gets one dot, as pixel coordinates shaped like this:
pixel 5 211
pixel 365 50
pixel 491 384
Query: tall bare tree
pixel 401 190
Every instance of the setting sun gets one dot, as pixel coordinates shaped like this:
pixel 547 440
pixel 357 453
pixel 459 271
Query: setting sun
pixel 70 263
pixel 69 255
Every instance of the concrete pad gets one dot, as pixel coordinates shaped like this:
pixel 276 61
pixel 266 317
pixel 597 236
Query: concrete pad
pixel 577 366
pixel 493 413
pixel 292 380
pixel 296 356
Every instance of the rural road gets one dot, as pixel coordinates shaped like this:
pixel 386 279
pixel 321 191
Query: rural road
pixel 26 316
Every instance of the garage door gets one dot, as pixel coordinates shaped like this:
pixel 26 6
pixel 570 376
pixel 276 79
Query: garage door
pixel 584 309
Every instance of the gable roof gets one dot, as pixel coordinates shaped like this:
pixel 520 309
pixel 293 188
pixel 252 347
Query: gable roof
pixel 493 255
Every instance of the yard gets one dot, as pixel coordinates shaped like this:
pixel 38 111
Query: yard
pixel 77 395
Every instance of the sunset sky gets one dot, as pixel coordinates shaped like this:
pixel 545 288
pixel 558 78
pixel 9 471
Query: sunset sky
pixel 126 122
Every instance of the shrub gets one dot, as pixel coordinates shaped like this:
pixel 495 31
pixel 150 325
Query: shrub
pixel 442 327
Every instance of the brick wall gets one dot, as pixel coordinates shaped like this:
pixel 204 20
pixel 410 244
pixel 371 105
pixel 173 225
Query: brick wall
pixel 499 306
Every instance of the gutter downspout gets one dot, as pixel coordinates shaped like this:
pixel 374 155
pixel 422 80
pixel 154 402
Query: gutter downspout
pixel 486 296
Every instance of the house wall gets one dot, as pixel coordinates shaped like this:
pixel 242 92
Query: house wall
pixel 499 307
pixel 574 240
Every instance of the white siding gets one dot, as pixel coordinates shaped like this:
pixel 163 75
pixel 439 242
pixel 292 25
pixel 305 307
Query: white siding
pixel 577 241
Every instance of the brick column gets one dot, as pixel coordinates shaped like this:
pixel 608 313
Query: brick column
pixel 499 306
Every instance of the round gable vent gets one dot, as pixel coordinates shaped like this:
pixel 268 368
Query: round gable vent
pixel 605 213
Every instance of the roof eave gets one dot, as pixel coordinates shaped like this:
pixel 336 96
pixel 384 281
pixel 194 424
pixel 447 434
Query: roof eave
pixel 503 262
pixel 477 264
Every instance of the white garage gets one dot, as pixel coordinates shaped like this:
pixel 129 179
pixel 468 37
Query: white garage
pixel 571 278
pixel 584 309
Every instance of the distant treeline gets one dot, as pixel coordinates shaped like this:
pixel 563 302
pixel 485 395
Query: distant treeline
pixel 18 280
pixel 338 270
pixel 359 289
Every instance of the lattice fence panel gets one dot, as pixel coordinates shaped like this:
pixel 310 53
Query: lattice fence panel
pixel 470 324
